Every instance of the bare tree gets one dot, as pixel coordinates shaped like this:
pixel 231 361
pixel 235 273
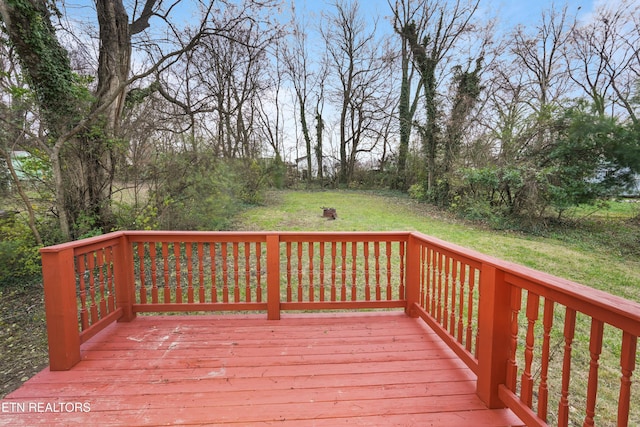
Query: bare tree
pixel 446 26
pixel 540 56
pixel 298 68
pixel 603 56
pixel 360 66
pixel 506 113
pixel 232 73
pixel 405 12
pixel 268 108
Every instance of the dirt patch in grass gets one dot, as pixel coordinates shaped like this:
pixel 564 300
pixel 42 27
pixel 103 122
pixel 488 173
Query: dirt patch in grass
pixel 23 336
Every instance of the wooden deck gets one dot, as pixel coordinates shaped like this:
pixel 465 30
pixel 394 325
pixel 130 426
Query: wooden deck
pixel 304 370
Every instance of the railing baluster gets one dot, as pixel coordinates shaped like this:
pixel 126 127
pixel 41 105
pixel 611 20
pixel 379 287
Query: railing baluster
pixel 143 289
pixel 476 272
pixel 447 283
pixel 595 348
pixel 439 296
pixel 569 332
pixel 321 261
pixel 258 272
pixel 288 255
pixel 401 288
pixel 188 246
pixel 376 255
pixel 333 271
pixel 154 280
pixel 93 308
pixel 463 277
pixel 627 365
pixel 367 284
pixel 432 260
pixel 469 328
pixel 454 287
pixel 101 279
pixel 225 271
pixel 236 273
pixel 424 278
pixel 354 266
pixel 388 253
pixel 343 272
pixel 84 314
pixel 178 266
pixel 512 365
pixel 312 290
pixel 201 288
pixel 247 272
pixel 214 271
pixel 533 305
pixel 299 269
pixel 543 389
pixel 165 258
pixel 110 289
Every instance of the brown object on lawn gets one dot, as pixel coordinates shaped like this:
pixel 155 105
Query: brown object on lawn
pixel 329 213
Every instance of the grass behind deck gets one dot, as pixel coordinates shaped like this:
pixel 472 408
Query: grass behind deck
pixel 586 255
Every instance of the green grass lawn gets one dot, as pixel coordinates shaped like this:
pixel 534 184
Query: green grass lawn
pixel 597 252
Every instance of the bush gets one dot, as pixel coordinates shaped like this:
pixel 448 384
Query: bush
pixel 131 217
pixel 203 193
pixel 19 255
pixel 416 192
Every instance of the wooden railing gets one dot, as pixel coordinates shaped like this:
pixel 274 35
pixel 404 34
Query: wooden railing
pixel 549 349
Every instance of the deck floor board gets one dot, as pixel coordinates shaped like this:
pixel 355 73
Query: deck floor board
pixel 310 370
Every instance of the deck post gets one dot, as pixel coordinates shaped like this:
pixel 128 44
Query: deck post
pixel 493 334
pixel 124 280
pixel 63 335
pixel 412 275
pixel 273 277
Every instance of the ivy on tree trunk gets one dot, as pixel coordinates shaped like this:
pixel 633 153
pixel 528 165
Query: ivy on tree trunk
pixel 82 128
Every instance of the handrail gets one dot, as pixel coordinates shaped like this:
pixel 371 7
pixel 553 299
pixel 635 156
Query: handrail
pixel 513 326
pixel 534 340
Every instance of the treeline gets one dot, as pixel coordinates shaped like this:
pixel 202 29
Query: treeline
pixel 175 115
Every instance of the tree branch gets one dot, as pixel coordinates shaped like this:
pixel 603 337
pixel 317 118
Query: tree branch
pixel 142 22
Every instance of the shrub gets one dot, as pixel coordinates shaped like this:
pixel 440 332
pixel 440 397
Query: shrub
pixel 132 217
pixel 19 255
pixel 416 191
pixel 205 193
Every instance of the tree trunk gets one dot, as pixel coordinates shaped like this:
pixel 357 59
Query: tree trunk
pixel 431 140
pixel 60 196
pixel 113 62
pixel 98 148
pixel 319 155
pixel 405 123
pixel 305 134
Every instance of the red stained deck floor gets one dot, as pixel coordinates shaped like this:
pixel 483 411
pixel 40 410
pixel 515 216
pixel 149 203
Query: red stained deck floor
pixel 375 369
